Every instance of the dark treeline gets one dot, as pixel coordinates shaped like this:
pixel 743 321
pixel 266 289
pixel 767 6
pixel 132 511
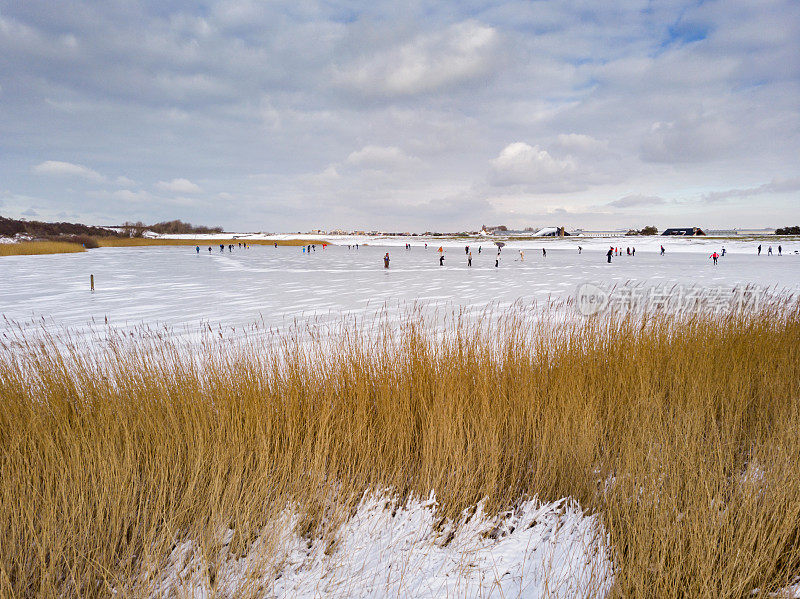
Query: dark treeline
pixel 41 230
pixel 171 227
pixel 788 231
pixel 9 227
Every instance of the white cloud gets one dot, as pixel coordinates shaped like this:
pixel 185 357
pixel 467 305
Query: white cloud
pixel 429 62
pixel 126 195
pixel 523 164
pixel 380 157
pixel 124 181
pixel 691 138
pixel 775 186
pixel 581 144
pixel 58 168
pixel 179 186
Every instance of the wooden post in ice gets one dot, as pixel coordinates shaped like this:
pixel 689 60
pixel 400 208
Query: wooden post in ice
pixel 91 282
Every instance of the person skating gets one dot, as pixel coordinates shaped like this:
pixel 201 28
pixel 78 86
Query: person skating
pixel 759 249
pixel 580 249
pixel 386 260
pixel 724 251
pixel 466 250
pixel 479 249
pixel 780 250
pixel 609 253
pixel 469 259
pixel 714 257
pixel 221 247
pixel 544 253
pixel 662 250
pixel 769 251
pixel 441 260
pixel 633 251
pixel 497 261
pixel 628 250
pixel 198 249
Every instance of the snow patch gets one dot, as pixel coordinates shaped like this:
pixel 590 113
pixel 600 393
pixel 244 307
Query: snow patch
pixel 386 550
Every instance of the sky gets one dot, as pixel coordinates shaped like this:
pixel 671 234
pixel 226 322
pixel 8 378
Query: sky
pixel 403 116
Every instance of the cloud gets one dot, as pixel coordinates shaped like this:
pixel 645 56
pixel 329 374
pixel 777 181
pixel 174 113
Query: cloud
pixel 632 200
pixel 126 195
pixel 179 186
pixel 774 186
pixel 58 168
pixel 691 138
pixel 427 63
pixel 288 90
pixel 523 164
pixel 578 143
pixel 380 157
pixel 30 212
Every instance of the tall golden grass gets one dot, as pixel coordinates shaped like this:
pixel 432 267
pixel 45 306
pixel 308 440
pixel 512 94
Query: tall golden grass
pixel 30 248
pixel 142 241
pixel 681 432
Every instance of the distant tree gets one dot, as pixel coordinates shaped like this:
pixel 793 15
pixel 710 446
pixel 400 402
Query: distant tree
pixel 177 227
pixel 651 230
pixel 130 229
pixel 788 231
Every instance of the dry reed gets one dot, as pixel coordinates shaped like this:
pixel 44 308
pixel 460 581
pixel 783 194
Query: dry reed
pixel 681 432
pixel 31 248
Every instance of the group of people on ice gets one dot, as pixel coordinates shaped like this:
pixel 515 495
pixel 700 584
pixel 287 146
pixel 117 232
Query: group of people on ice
pixel 616 251
pixel 769 250
pixel 222 247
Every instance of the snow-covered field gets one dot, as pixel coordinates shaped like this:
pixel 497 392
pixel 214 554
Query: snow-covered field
pixel 174 285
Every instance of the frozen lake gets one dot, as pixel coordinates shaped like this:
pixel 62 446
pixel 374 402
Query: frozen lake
pixel 174 285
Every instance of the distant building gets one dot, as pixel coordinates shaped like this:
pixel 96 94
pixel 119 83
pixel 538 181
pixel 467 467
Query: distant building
pixel 685 231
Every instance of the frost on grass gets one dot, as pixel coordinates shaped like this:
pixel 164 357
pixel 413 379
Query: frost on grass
pixel 386 550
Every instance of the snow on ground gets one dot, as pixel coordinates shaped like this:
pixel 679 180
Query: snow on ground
pixel 536 550
pixel 174 285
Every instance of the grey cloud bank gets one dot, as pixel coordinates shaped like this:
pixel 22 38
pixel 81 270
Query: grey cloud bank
pixel 289 116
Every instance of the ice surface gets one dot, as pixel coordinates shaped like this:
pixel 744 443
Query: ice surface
pixel 176 286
